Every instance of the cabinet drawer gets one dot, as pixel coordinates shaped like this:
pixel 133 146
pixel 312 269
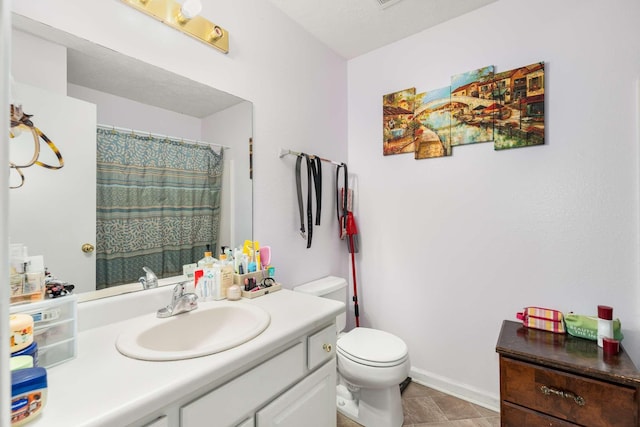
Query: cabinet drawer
pixel 569 397
pixel 321 346
pixel 516 416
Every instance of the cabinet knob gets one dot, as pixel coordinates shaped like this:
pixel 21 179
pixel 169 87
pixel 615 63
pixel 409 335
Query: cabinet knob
pixel 87 248
pixel 327 348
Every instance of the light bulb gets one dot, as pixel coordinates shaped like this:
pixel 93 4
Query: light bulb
pixel 191 8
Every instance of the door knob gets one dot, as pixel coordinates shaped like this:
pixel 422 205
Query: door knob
pixel 87 248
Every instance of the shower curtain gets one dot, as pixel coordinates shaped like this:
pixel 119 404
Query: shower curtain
pixel 158 205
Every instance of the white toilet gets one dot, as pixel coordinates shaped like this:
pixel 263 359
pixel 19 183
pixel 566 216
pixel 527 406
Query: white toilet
pixel 371 365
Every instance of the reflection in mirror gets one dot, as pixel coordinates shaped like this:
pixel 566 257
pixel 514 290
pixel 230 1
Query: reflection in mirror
pixel 84 86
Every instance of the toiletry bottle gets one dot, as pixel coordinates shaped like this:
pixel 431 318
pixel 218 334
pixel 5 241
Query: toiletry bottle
pixel 245 264
pixel 237 260
pixel 207 261
pixel 229 254
pixel 208 282
pixel 217 293
pixel 605 323
pixel 226 274
pixel 34 278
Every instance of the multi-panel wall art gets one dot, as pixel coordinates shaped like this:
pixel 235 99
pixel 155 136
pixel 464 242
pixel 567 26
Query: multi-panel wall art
pixel 479 106
pixel 398 110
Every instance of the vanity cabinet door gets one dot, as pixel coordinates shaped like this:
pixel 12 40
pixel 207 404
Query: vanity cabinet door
pixel 231 402
pixel 310 403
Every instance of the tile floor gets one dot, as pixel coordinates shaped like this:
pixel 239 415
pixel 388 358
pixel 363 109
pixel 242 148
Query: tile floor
pixel 426 407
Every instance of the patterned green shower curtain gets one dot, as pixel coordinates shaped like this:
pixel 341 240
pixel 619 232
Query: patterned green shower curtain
pixel 158 205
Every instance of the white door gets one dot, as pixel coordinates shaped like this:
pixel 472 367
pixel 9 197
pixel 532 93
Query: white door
pixel 54 212
pixel 310 403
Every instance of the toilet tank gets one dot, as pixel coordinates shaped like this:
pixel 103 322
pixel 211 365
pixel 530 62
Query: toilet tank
pixel 331 287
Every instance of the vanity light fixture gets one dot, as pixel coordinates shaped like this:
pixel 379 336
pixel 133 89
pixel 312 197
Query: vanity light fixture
pixel 184 16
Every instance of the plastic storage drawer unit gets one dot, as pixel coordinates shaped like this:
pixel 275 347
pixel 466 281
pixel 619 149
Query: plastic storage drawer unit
pixel 54 328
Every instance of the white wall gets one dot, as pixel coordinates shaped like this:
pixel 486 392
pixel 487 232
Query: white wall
pixel 233 127
pixel 297 85
pixel 50 73
pixel 452 246
pixel 122 112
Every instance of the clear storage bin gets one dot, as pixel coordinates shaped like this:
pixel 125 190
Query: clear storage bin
pixel 55 354
pixel 54 332
pixel 55 328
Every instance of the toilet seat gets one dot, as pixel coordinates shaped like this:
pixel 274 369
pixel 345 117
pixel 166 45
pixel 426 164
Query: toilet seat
pixel 372 347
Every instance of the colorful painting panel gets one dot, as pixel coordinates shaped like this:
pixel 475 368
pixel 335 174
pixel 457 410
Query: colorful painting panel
pixel 397 127
pixel 522 94
pixel 432 128
pixel 471 96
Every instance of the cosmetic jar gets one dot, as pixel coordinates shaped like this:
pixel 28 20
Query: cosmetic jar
pixel 20 362
pixel 32 351
pixel 234 293
pixel 21 332
pixel 28 394
pixel 610 346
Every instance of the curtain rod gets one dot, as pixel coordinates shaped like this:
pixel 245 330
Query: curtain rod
pixel 173 138
pixel 286 152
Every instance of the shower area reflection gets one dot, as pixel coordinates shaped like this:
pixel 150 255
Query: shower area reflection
pixel 157 204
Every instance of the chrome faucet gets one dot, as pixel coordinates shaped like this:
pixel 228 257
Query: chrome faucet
pixel 150 281
pixel 181 302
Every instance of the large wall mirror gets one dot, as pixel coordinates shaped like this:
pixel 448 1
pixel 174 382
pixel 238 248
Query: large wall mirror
pixel 53 214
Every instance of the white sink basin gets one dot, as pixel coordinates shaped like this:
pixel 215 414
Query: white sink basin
pixel 211 328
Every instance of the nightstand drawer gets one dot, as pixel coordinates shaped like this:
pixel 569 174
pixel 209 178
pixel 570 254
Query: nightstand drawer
pixel 565 396
pixel 517 416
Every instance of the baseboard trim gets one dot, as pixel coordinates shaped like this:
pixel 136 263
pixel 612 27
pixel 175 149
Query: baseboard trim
pixel 454 388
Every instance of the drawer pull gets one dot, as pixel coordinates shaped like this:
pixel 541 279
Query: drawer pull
pixel 327 348
pixel 566 394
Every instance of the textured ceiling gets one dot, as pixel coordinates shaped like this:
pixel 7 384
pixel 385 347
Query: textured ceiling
pixel 354 27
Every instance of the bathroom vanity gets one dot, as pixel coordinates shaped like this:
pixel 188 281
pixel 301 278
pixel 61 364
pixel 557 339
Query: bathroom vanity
pixel 557 379
pixel 285 376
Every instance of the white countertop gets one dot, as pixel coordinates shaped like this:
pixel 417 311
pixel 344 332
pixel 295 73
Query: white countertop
pixel 101 387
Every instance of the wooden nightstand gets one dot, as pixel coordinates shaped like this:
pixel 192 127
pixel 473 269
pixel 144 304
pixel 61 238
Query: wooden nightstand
pixel 549 379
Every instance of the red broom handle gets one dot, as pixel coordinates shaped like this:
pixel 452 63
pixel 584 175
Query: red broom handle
pixel 355 282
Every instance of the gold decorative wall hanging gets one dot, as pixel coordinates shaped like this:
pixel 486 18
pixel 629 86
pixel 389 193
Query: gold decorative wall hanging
pixel 184 17
pixel 21 122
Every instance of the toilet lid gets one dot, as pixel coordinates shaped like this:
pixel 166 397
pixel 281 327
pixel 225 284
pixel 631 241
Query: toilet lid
pixel 372 347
